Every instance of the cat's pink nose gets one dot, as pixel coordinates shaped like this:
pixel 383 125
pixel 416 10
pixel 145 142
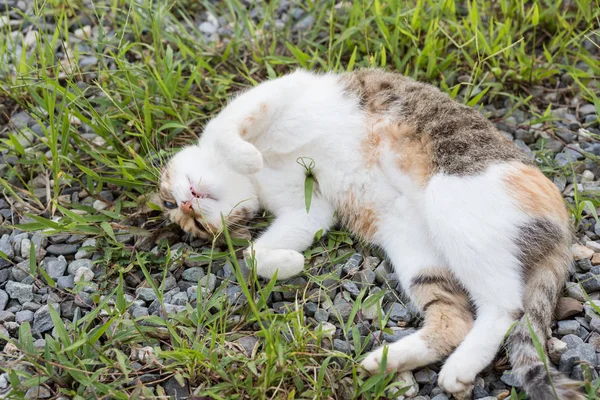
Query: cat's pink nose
pixel 186 208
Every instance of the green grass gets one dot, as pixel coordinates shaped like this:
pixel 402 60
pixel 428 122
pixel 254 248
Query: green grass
pixel 156 82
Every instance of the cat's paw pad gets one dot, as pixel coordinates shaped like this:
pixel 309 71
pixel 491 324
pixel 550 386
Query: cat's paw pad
pixel 457 378
pixel 246 158
pixel 286 263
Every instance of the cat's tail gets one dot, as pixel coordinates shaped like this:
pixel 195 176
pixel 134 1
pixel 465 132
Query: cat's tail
pixel 545 281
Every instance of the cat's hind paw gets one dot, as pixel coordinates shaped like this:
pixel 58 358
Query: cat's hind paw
pixel 287 263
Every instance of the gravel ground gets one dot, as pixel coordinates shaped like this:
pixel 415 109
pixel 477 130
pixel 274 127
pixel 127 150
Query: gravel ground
pixel 75 262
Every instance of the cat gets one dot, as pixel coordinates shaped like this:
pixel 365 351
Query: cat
pixel 465 217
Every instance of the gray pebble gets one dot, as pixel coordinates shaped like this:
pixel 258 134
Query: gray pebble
pixel 351 288
pixel 76 264
pixel 342 346
pixel 62 249
pixel 509 378
pixel 321 315
pixel 587 353
pixel 587 109
pixel 21 271
pixel 19 291
pixel 193 274
pixel 579 375
pixel 6 247
pixel 54 267
pixel 86 249
pixel 207 28
pixel 426 376
pixel 572 341
pixel 3 299
pixel 38 392
pixel 248 343
pixel 146 294
pixel 66 282
pixel 398 312
pixel 42 321
pixel 208 282
pixel 342 307
pixel 24 316
pixel 567 360
pixel 6 316
pixel 138 312
pixel 179 299
pixel 352 266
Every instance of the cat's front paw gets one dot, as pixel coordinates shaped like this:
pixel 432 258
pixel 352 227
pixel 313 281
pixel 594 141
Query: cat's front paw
pixel 287 263
pixel 457 377
pixel 246 159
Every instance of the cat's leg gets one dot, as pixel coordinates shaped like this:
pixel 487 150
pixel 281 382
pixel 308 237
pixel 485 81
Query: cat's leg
pixel 279 248
pixel 448 319
pixel 430 286
pixel 474 224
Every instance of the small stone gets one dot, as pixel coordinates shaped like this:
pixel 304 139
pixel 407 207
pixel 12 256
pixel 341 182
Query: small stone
pixel 575 291
pixel 208 282
pixel 62 249
pixel 327 328
pixel 19 291
pixel 138 312
pixel 596 259
pixel 567 307
pixel 352 266
pixel 38 392
pixel 581 252
pixel 426 376
pixel 25 248
pixel 175 391
pixel 207 28
pixel 86 249
pixel 321 315
pixel 567 360
pixel 594 340
pixel 24 316
pixel 3 299
pixel 556 348
pixel 568 327
pixel 6 247
pixel 248 343
pixel 509 378
pixel 66 282
pixel 595 324
pixel 42 321
pixel 342 346
pixel 83 274
pixel 180 299
pixel 54 267
pixel 193 274
pixel 342 307
pixel 76 264
pixel 398 312
pixel 20 272
pixel 587 353
pixel 587 109
pixel 579 375
pixel 146 294
pixel 351 288
pixel 6 316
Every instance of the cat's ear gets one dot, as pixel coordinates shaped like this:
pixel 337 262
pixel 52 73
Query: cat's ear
pixel 242 156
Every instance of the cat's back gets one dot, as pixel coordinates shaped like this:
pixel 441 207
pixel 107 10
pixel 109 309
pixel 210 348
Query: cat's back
pixel 428 129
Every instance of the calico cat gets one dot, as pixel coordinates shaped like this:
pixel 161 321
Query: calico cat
pixel 466 219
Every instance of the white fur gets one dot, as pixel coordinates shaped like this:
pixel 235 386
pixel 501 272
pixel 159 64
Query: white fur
pixel 467 224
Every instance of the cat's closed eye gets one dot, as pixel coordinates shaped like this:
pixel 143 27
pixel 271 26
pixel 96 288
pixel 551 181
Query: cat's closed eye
pixel 170 205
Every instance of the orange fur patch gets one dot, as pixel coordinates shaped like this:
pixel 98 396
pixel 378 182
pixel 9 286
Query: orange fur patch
pixel 370 148
pixel 412 154
pixel 359 217
pixel 535 194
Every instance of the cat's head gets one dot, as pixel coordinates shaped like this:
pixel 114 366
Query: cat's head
pixel 197 187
